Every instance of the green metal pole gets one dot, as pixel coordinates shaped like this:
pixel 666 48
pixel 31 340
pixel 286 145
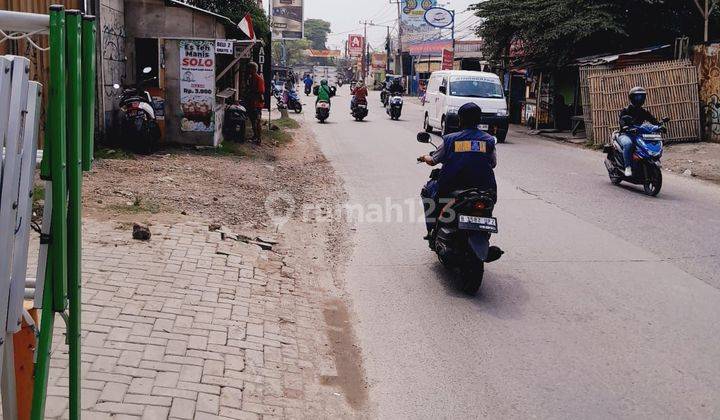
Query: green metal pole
pixel 54 168
pixel 73 28
pixel 58 139
pixel 44 347
pixel 88 90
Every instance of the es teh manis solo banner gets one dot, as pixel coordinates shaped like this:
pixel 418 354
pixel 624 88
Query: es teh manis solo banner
pixel 197 85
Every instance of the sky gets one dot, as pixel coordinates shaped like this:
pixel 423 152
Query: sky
pixel 345 15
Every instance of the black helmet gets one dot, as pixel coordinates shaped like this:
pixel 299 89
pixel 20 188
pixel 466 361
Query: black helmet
pixel 469 115
pixel 637 96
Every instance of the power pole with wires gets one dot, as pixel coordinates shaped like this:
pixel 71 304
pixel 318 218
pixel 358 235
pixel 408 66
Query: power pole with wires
pixel 365 23
pixel 400 34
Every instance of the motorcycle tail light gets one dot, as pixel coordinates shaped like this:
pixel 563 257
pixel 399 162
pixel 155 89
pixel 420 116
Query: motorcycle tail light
pixel 134 104
pixel 479 205
pixel 636 157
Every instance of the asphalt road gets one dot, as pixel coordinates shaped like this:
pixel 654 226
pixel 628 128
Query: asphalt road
pixel 605 305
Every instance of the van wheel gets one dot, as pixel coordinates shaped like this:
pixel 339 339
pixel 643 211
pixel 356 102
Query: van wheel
pixel 426 124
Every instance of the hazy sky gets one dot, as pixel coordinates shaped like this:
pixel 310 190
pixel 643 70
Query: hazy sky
pixel 344 15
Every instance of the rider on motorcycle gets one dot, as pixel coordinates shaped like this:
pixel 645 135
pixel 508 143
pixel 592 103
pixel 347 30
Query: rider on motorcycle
pixel 359 93
pixel 396 88
pixel 633 114
pixel 324 92
pixel 468 158
pixel 308 81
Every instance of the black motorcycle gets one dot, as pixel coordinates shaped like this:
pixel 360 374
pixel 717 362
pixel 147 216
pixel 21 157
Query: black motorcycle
pixel 138 125
pixel 394 107
pixel 308 90
pixel 461 234
pixel 360 109
pixel 234 122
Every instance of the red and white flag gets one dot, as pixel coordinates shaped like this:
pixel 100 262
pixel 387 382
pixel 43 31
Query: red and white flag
pixel 246 26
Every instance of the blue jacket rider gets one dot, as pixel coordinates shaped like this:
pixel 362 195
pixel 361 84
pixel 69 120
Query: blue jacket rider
pixel 634 114
pixel 468 158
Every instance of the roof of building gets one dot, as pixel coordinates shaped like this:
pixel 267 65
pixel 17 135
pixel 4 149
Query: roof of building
pixel 181 3
pixel 596 60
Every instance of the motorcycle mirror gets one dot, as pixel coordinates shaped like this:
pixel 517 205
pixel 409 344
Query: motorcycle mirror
pixel 423 137
pixel 147 70
pixel 116 86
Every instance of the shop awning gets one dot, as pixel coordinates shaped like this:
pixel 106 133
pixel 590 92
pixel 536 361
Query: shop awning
pixel 596 60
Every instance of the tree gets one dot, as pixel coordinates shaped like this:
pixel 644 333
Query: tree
pixel 236 10
pixel 317 30
pixel 295 51
pixel 552 33
pixel 706 11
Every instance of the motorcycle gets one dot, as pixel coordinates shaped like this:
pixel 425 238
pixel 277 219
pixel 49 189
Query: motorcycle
pixel 340 82
pixel 461 234
pixel 293 101
pixel 360 109
pixel 322 111
pixel 138 124
pixel 308 90
pixel 278 94
pixel 646 166
pixel 234 122
pixel 384 97
pixel 394 107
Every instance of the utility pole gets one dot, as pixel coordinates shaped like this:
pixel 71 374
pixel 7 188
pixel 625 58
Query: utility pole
pixel 364 49
pixel 388 47
pixel 400 34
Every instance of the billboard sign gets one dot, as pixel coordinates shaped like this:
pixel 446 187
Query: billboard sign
pixel 356 45
pixel 412 20
pixel 379 61
pixel 287 19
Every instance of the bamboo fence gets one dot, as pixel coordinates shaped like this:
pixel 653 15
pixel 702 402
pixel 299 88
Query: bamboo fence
pixel 672 88
pixel 585 73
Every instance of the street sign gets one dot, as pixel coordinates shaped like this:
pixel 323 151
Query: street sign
pixel 439 17
pixel 356 45
pixel 448 60
pixel 224 46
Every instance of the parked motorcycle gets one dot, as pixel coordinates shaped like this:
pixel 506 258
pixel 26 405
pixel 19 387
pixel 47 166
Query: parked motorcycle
pixel 646 166
pixel 461 235
pixel 293 101
pixel 322 111
pixel 278 94
pixel 138 125
pixel 394 107
pixel 234 122
pixel 360 109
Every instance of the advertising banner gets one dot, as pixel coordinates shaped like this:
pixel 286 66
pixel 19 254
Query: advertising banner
pixel 379 61
pixel 356 45
pixel 448 59
pixel 323 53
pixel 197 85
pixel 287 19
pixel 415 28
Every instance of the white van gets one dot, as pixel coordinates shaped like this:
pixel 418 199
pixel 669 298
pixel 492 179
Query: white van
pixel 448 90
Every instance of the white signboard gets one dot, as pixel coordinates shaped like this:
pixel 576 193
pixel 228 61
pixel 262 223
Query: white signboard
pixel 197 85
pixel 223 46
pixel 439 17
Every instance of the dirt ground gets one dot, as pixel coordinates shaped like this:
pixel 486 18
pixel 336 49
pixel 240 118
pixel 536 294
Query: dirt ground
pixel 230 188
pixel 702 159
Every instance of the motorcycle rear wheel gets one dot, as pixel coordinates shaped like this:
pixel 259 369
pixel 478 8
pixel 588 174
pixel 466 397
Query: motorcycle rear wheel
pixel 471 277
pixel 298 108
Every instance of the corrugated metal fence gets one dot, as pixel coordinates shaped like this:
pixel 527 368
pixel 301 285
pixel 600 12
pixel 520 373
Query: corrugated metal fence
pixel 672 88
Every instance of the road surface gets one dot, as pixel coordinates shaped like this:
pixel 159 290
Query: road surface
pixel 605 305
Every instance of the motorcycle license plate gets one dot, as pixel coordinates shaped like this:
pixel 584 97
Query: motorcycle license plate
pixel 483 127
pixel 484 224
pixel 133 112
pixel 362 106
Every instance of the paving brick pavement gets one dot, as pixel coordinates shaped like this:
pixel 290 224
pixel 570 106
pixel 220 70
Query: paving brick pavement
pixel 190 326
